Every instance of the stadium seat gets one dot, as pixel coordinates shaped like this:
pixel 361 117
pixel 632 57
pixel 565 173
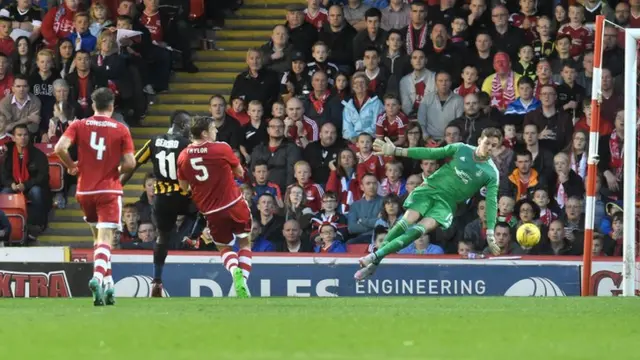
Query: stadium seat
pixel 357 248
pixel 15 207
pixel 56 169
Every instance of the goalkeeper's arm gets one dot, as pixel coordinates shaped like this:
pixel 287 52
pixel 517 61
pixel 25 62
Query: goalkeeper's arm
pixel 387 148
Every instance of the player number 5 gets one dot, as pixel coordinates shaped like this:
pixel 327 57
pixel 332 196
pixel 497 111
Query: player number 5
pixel 196 164
pixel 97 144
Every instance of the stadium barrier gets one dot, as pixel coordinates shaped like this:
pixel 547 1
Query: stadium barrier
pixel 43 280
pixel 39 254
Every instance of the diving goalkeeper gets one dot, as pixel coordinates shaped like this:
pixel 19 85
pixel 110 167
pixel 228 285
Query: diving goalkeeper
pixel 433 203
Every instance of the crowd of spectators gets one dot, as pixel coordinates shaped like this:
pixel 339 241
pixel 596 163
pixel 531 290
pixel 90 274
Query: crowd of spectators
pixel 338 74
pixel 52 58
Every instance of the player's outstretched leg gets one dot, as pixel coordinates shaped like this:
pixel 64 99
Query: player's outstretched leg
pixel 230 261
pixel 109 286
pixel 370 262
pixel 101 254
pixel 159 257
pixel 244 260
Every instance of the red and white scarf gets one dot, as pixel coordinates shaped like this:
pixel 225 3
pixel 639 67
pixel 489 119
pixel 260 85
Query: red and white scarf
pixel 422 38
pixel 561 195
pixel 501 97
pixel 579 167
pixel 388 188
pixel 617 155
pixel 318 104
pixel 547 217
pixel 20 170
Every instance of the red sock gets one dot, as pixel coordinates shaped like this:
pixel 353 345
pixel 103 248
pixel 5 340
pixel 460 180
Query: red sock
pixel 244 257
pixel 229 259
pixel 101 256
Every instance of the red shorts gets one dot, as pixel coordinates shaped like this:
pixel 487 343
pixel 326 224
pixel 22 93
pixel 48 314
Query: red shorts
pixel 102 210
pixel 226 224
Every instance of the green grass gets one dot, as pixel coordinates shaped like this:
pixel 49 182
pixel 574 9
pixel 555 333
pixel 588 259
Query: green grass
pixel 346 328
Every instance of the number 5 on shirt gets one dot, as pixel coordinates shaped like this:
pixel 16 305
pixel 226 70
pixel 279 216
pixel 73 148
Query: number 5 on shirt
pixel 196 164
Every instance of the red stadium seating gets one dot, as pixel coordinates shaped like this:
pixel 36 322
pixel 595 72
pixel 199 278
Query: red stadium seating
pixel 15 207
pixel 357 248
pixel 56 169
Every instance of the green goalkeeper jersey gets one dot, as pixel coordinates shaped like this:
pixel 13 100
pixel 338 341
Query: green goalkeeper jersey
pixel 462 177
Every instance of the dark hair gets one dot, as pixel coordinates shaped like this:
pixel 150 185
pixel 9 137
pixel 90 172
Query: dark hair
pixel 524 152
pixel 20 126
pixel 260 163
pixel 442 72
pixel 372 48
pixel 372 12
pixel 617 216
pixel 534 206
pixel 339 170
pixel 390 199
pixel 525 80
pixel 484 99
pixel 81 51
pixel 20 77
pixel 15 57
pixel 419 3
pixel 504 225
pixel 570 63
pixel 199 125
pixel 148 176
pixel 380 229
pixel 397 32
pixel 330 195
pixel 177 117
pixel 563 37
pixel 492 132
pixel 102 98
pixel 5 19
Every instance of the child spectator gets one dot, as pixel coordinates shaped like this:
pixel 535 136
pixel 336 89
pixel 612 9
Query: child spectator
pixel 99 18
pixel 41 85
pixel 329 243
pixel 541 198
pixel 377 76
pixel 543 46
pixel 255 130
pixel 392 123
pixel 342 88
pixel 616 233
pixel 510 135
pixel 247 194
pixel 476 231
pixel 58 22
pixel 559 18
pixel 598 245
pixel 81 36
pixel 6 78
pixel 238 111
pixel 581 37
pixel 570 94
pixel 577 152
pixel 506 205
pixel 525 67
pixel 393 183
pixel 526 18
pixel 131 219
pixel 368 162
pixel 262 185
pixel 584 123
pixel 312 191
pixel 422 246
pixel 320 52
pixel 524 104
pixel 343 180
pixel 278 110
pixel 7 45
pixel 465 247
pixel 64 57
pixel 329 213
pixel 459 33
pixel 469 81
pixel 379 233
pixel 428 167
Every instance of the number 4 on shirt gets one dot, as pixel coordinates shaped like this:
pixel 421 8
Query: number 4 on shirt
pixel 97 144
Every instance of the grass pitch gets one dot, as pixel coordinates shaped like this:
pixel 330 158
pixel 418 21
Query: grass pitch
pixel 312 328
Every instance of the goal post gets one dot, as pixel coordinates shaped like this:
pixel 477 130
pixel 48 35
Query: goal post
pixel 631 37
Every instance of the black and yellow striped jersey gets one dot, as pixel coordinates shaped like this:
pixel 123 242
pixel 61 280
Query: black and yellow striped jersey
pixel 163 151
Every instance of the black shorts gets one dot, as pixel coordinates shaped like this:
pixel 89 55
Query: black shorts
pixel 167 207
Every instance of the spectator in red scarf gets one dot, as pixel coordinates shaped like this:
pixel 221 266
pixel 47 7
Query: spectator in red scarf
pixel 321 104
pixel 503 84
pixel 611 157
pixel 58 22
pixel 26 170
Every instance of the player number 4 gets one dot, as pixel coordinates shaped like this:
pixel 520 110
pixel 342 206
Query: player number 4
pixel 97 144
pixel 196 164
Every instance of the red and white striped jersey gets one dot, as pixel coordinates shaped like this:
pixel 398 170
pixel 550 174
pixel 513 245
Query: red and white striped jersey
pixel 317 20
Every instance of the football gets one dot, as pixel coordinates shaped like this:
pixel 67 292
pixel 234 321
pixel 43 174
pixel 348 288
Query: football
pixel 528 235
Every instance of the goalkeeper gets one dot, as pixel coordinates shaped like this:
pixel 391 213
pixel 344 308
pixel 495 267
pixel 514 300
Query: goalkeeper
pixel 433 203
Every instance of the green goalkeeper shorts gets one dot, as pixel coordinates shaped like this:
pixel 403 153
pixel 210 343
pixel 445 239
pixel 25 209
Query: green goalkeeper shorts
pixel 430 205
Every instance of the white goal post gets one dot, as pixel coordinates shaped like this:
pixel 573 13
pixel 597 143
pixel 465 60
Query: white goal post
pixel 631 37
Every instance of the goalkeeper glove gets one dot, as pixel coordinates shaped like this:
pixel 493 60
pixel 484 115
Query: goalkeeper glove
pixel 385 148
pixel 491 241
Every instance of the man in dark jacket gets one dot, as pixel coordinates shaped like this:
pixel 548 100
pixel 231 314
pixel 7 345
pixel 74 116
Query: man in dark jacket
pixel 256 83
pixel 26 170
pixel 472 121
pixel 279 154
pixel 338 35
pixel 302 35
pixel 321 104
pixel 372 36
pixel 320 153
pixel 276 53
